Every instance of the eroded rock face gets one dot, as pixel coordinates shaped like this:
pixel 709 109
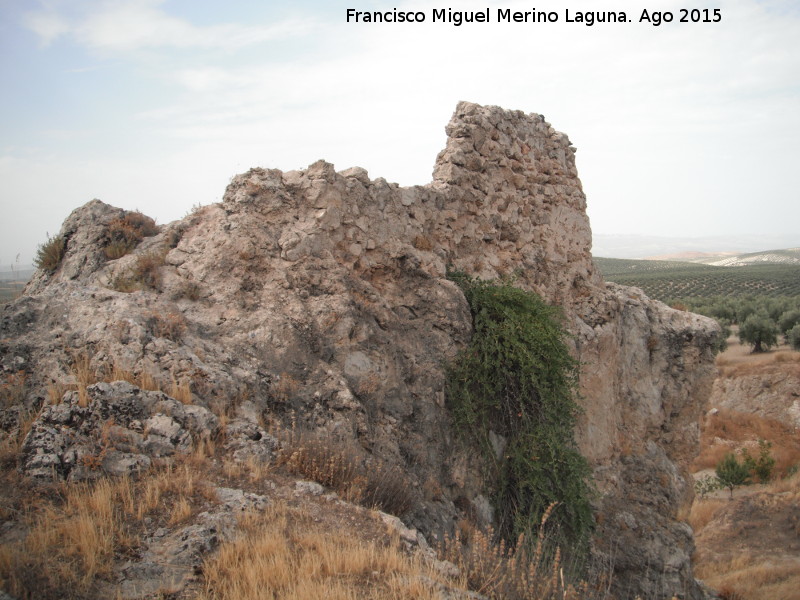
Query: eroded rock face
pixel 120 431
pixel 323 295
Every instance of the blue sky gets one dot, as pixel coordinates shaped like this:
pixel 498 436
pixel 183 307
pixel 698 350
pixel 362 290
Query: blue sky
pixel 682 130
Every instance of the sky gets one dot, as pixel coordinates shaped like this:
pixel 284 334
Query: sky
pixel 682 129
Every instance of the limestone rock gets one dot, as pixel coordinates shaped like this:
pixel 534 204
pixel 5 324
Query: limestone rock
pixel 321 296
pixel 120 431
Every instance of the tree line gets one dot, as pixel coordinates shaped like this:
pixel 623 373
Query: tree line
pixel 761 319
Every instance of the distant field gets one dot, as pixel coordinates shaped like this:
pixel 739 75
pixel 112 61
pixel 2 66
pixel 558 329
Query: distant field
pixel 666 280
pixel 10 290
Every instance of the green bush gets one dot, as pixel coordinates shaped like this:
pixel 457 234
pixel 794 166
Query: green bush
pixel 794 337
pixel 517 379
pixel 706 485
pixel 762 465
pixel 788 320
pixel 49 254
pixel 731 473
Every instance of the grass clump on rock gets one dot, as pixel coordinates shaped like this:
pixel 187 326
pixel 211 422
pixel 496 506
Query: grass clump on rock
pixel 49 254
pixel 517 380
pixel 125 233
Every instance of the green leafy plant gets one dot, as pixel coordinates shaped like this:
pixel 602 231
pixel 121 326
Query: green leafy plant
pixel 49 254
pixel 794 337
pixel 731 473
pixel 762 465
pixel 706 485
pixel 517 379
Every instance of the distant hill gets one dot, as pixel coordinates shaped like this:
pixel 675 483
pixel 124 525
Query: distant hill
pixel 19 275
pixel 787 256
pixel 681 248
pixel 668 280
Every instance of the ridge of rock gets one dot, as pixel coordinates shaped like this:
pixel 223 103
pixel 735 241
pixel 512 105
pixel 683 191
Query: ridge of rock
pixel 322 296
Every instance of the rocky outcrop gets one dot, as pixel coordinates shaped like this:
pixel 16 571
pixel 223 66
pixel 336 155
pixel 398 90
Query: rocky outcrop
pixel 322 296
pixel 772 392
pixel 120 430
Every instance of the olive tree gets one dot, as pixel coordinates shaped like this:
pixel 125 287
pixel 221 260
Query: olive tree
pixel 759 331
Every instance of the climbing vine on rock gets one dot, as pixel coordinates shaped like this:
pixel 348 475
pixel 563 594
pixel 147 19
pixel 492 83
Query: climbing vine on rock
pixel 518 380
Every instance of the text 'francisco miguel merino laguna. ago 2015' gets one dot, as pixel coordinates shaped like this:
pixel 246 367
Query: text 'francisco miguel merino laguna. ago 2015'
pixel 506 15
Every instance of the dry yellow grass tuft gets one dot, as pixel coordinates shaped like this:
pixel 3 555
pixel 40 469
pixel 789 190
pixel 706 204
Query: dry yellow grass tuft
pixel 752 578
pixel 281 554
pixel 73 537
pixel 703 511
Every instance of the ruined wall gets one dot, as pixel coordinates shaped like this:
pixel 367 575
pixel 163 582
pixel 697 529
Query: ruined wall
pixel 323 294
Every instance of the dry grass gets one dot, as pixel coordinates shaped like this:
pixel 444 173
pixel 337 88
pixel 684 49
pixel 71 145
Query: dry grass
pixel 50 253
pixel 12 389
pixel 11 443
pixel 144 274
pixel 738 361
pixel 342 466
pixel 170 326
pixel 281 554
pixel 740 428
pixel 125 233
pixel 703 511
pixel 74 537
pixel 527 569
pixel 746 577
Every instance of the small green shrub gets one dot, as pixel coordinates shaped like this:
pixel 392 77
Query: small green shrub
pixel 49 254
pixel 762 465
pixel 706 485
pixel 731 473
pixel 794 337
pixel 517 379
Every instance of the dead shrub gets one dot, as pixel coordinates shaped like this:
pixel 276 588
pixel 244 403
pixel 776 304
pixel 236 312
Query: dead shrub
pixel 170 326
pixel 12 389
pixel 388 488
pixel 323 459
pixel 422 243
pixel 341 466
pixel 144 274
pixel 527 569
pixel 50 254
pixel 284 387
pixel 189 290
pixel 125 233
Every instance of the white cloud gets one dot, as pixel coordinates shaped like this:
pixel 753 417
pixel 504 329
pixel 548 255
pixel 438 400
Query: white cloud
pixel 681 129
pixel 48 25
pixel 127 25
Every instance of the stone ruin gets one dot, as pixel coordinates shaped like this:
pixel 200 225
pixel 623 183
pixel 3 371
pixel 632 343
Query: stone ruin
pixel 323 295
